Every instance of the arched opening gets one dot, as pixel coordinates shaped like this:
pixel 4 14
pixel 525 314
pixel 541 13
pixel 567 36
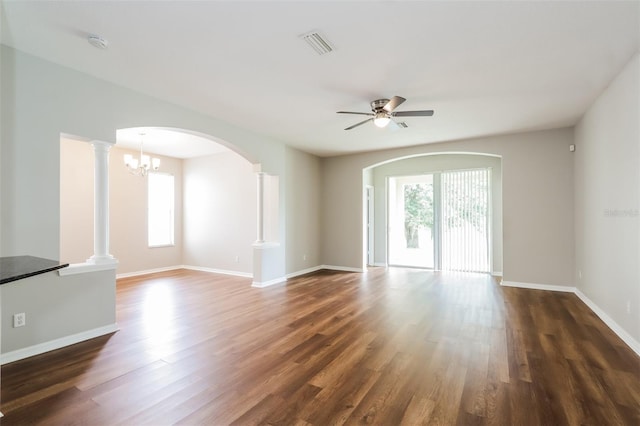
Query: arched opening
pixel 214 209
pixel 428 176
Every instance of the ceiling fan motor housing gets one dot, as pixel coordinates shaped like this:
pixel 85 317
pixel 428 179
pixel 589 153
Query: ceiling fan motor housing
pixel 378 104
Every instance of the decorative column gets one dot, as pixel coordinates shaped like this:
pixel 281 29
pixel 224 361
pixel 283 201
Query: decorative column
pixel 101 204
pixel 260 193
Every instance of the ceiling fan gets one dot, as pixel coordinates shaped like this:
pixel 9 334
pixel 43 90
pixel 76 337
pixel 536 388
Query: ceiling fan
pixel 383 110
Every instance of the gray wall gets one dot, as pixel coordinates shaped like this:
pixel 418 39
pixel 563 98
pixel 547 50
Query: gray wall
pixel 607 214
pixel 434 163
pixel 41 100
pixel 303 181
pixel 56 307
pixel 537 195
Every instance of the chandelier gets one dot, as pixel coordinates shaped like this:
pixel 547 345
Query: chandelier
pixel 141 166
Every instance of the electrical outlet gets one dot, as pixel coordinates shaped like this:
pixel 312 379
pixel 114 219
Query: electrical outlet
pixel 237 259
pixel 19 320
pixel 304 257
pixel 628 307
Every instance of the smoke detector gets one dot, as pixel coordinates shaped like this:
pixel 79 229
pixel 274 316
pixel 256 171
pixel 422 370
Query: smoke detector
pixel 98 42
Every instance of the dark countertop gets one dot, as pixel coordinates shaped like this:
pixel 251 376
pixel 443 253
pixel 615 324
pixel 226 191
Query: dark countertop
pixel 18 267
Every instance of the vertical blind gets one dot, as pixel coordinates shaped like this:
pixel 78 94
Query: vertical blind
pixel 464 223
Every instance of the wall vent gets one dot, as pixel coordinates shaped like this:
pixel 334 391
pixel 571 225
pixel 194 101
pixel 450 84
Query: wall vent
pixel 319 44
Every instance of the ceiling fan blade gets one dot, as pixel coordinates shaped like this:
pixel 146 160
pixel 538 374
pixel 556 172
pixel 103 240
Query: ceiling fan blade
pixel 359 124
pixel 426 113
pixel 358 113
pixel 393 103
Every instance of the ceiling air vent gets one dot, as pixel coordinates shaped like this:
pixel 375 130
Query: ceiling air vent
pixel 402 124
pixel 317 42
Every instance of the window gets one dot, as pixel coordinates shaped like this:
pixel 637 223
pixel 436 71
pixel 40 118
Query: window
pixel 160 209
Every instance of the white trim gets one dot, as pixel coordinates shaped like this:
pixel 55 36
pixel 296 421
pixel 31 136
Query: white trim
pixel 193 268
pixel 148 271
pixel 264 284
pixel 263 245
pixel 342 268
pixel 304 271
pixel 51 345
pixel 608 321
pixel 546 287
pixel 382 264
pixel 496 273
pixel 614 326
pixel 84 268
pixel 326 267
pixel 218 271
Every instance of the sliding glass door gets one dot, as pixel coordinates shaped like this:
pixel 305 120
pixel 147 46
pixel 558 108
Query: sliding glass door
pixel 440 220
pixel 411 220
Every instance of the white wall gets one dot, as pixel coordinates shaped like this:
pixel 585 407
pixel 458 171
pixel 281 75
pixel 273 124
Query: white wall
pixel 435 163
pixel 128 216
pixel 537 199
pixel 607 193
pixel 76 200
pixel 219 212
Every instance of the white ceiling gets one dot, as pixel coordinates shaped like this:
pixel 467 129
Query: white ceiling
pixel 484 67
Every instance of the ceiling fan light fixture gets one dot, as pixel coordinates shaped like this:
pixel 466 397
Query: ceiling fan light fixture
pixel 381 119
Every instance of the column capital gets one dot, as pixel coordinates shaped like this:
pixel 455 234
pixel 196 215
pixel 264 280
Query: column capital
pixel 101 145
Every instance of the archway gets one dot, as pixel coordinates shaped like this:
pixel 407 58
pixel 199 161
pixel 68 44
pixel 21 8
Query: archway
pixel 376 179
pixel 228 206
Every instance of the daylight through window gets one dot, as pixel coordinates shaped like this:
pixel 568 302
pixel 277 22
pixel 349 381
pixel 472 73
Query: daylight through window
pixel 160 209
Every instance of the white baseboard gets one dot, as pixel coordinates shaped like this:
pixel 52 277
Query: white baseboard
pixel 496 274
pixel 614 326
pixel 531 286
pixel 342 268
pixel 329 267
pixel 304 271
pixel 51 345
pixel 609 322
pixel 193 268
pixel 148 271
pixel 263 284
pixel 218 271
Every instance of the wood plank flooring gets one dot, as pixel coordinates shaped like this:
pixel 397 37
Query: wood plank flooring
pixel 387 347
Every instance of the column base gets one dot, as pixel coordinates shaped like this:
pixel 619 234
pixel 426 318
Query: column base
pixel 102 260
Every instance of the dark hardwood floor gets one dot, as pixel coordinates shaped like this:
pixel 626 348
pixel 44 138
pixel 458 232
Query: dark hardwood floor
pixel 388 347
